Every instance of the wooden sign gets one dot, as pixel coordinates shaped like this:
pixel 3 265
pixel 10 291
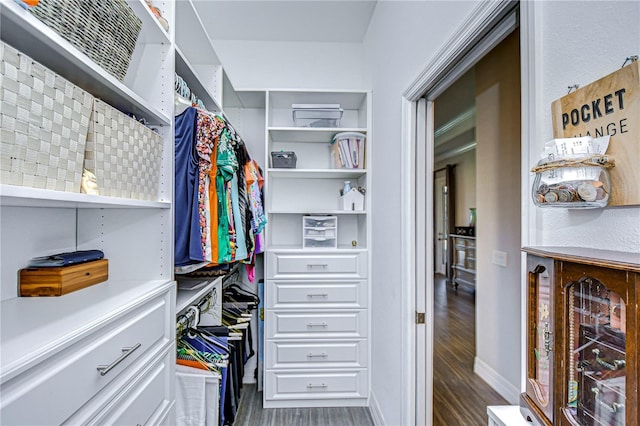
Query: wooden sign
pixel 609 106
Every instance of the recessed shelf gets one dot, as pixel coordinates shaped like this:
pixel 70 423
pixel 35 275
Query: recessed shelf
pixel 19 196
pixel 26 33
pixel 316 173
pixel 309 134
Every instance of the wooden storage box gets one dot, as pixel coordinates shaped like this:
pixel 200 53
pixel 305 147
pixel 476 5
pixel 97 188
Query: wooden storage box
pixel 62 280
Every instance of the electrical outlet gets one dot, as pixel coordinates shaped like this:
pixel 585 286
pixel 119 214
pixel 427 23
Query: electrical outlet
pixel 499 258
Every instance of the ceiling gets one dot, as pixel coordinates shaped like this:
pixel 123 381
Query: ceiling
pixel 335 21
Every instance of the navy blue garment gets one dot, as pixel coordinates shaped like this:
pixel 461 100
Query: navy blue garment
pixel 188 248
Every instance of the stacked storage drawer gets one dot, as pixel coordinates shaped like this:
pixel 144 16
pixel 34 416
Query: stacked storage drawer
pixel 316 329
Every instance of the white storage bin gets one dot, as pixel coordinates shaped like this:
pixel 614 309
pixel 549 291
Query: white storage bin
pixel 317 115
pixel 319 231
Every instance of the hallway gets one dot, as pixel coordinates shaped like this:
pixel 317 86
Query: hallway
pixel 460 397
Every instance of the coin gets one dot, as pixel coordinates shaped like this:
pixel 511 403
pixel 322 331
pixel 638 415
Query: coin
pixel 543 189
pixel 587 191
pixel 540 198
pixel 564 196
pixel 600 194
pixel 551 197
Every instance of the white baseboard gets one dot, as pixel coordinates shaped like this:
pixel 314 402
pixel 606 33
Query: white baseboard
pixel 497 382
pixel 376 413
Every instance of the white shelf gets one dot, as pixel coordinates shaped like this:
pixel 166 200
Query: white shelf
pixel 316 173
pixel 346 99
pixel 26 33
pixel 185 298
pixel 189 75
pixel 299 249
pixel 34 328
pixel 316 212
pixel 20 196
pixel 191 36
pixel 309 134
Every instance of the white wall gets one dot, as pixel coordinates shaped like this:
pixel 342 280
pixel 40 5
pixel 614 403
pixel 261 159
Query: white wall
pixel 581 43
pixel 253 64
pixel 402 38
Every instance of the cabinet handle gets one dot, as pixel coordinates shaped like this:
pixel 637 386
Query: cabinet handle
pixel 617 364
pixel 613 408
pixel 321 324
pixel 312 386
pixel 317 295
pixel 547 338
pixel 104 369
pixel 312 355
pixel 317 265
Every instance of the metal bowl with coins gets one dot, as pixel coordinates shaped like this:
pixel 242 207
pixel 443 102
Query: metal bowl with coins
pixel 572 187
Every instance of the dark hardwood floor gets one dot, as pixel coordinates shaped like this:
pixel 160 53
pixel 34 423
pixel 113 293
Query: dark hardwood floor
pixel 460 397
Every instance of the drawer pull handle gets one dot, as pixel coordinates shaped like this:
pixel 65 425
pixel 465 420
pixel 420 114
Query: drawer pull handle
pixel 317 265
pixel 310 296
pixel 317 324
pixel 104 369
pixel 312 386
pixel 312 355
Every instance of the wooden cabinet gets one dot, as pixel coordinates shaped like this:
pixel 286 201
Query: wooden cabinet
pixel 582 338
pixel 463 267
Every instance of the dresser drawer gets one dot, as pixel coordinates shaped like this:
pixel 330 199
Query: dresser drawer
pixel 62 384
pixel 142 398
pixel 321 265
pixel 296 324
pixel 323 354
pixel 310 294
pixel 316 385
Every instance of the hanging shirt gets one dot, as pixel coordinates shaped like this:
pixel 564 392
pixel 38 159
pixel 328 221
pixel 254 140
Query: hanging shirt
pixel 227 166
pixel 187 246
pixel 241 246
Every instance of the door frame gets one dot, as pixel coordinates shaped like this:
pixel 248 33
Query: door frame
pixel 483 29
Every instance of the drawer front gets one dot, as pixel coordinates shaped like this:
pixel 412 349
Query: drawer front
pixel 310 294
pixel 316 324
pixel 327 354
pixel 316 385
pixel 142 399
pixel 303 265
pixel 70 378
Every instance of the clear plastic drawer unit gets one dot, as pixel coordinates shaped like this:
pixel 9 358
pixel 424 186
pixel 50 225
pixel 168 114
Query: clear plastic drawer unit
pixel 319 232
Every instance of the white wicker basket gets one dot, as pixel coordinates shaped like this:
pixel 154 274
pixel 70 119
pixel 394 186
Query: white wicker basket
pixel 124 155
pixel 43 125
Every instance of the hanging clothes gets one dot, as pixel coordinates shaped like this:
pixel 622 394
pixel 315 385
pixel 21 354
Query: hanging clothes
pixel 187 248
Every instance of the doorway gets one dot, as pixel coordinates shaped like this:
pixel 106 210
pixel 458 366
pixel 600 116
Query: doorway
pixel 502 144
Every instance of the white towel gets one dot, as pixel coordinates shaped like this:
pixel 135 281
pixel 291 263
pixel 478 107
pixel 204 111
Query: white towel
pixel 190 400
pixel 210 395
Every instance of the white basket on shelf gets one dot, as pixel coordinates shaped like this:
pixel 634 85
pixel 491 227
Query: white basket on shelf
pixel 124 154
pixel 43 125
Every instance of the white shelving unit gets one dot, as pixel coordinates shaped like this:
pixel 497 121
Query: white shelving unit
pixel 316 299
pixel 51 347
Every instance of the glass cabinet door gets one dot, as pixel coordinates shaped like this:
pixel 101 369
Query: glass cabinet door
pixel 596 353
pixel 540 334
